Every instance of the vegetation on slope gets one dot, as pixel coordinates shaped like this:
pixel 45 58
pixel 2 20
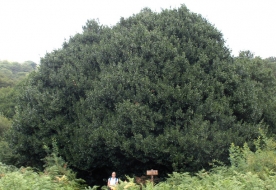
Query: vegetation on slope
pixel 11 73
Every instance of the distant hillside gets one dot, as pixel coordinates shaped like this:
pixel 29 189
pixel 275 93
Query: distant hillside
pixel 11 73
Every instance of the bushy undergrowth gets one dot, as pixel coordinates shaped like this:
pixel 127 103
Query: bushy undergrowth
pixel 26 179
pixel 249 170
pixel 223 178
pixel 56 175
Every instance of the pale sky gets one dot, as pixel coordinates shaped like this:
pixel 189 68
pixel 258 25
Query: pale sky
pixel 30 28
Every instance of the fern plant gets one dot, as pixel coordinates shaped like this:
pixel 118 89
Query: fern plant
pixel 261 162
pixel 57 168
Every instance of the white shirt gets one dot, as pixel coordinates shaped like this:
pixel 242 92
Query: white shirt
pixel 112 181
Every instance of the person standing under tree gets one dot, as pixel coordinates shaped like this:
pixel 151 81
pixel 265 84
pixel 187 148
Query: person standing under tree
pixel 112 181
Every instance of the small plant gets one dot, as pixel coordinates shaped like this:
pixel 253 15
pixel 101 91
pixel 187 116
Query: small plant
pixel 261 162
pixel 57 168
pixel 56 176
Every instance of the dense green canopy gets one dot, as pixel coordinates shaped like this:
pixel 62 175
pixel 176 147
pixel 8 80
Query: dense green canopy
pixel 157 90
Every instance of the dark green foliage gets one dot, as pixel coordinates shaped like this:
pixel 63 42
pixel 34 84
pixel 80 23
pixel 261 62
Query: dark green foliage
pixel 158 90
pixel 6 154
pixel 8 97
pixel 11 73
pixel 5 125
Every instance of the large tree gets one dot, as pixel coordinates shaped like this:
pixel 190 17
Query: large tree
pixel 157 90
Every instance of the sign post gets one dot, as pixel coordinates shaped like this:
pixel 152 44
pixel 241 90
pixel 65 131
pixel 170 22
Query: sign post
pixel 152 173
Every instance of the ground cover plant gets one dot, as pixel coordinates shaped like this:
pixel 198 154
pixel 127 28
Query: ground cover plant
pixel 55 176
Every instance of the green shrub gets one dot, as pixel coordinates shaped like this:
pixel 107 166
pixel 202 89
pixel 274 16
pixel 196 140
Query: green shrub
pixel 261 162
pixel 6 154
pixel 56 175
pixel 5 124
pixel 57 168
pixel 249 170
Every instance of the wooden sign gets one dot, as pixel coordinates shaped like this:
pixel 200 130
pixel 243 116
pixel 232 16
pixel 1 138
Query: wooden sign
pixel 152 172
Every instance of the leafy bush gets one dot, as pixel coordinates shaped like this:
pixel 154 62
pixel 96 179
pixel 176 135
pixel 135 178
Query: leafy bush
pixel 7 155
pixel 261 162
pixel 56 175
pixel 57 168
pixel 222 178
pixel 25 178
pixel 8 97
pixel 5 124
pixel 249 170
